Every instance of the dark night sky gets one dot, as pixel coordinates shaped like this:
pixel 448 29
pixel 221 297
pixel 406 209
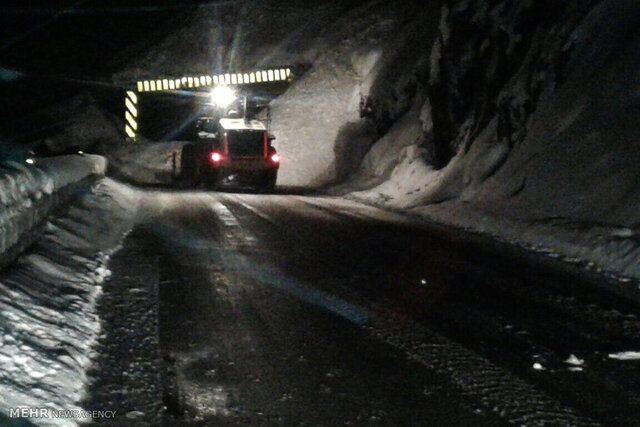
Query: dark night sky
pixel 60 48
pixel 81 38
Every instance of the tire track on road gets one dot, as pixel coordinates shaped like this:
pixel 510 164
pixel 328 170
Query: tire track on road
pixel 478 379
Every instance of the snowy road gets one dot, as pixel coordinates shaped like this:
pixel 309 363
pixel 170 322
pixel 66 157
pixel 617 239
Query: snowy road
pixel 299 310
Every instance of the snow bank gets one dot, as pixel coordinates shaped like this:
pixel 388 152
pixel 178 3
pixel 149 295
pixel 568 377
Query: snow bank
pixel 48 318
pixel 28 193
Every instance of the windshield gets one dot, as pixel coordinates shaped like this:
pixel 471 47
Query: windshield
pixel 246 143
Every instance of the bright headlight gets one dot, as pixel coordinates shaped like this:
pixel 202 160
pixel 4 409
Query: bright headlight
pixel 222 96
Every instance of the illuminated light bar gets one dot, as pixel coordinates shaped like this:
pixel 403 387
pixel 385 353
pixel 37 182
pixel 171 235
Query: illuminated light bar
pixel 275 74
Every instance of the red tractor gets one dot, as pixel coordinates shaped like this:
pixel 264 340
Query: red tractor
pixel 231 149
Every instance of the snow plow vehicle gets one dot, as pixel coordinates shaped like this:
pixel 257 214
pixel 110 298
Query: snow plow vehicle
pixel 231 149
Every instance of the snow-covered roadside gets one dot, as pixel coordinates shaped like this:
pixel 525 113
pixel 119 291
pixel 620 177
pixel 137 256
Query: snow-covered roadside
pixel 608 249
pixel 30 192
pixel 48 318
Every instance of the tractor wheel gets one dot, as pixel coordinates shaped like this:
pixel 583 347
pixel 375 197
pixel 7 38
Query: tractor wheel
pixel 268 184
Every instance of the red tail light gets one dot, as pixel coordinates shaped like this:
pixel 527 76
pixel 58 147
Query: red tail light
pixel 215 157
pixel 275 158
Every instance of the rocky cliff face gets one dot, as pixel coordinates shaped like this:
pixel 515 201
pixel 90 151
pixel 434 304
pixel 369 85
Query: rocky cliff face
pixel 491 61
pixel 540 96
pixel 508 80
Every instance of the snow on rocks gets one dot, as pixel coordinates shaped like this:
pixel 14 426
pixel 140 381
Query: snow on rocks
pixel 48 318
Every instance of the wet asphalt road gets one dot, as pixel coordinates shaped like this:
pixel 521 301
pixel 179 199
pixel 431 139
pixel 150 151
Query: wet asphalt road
pixel 302 310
